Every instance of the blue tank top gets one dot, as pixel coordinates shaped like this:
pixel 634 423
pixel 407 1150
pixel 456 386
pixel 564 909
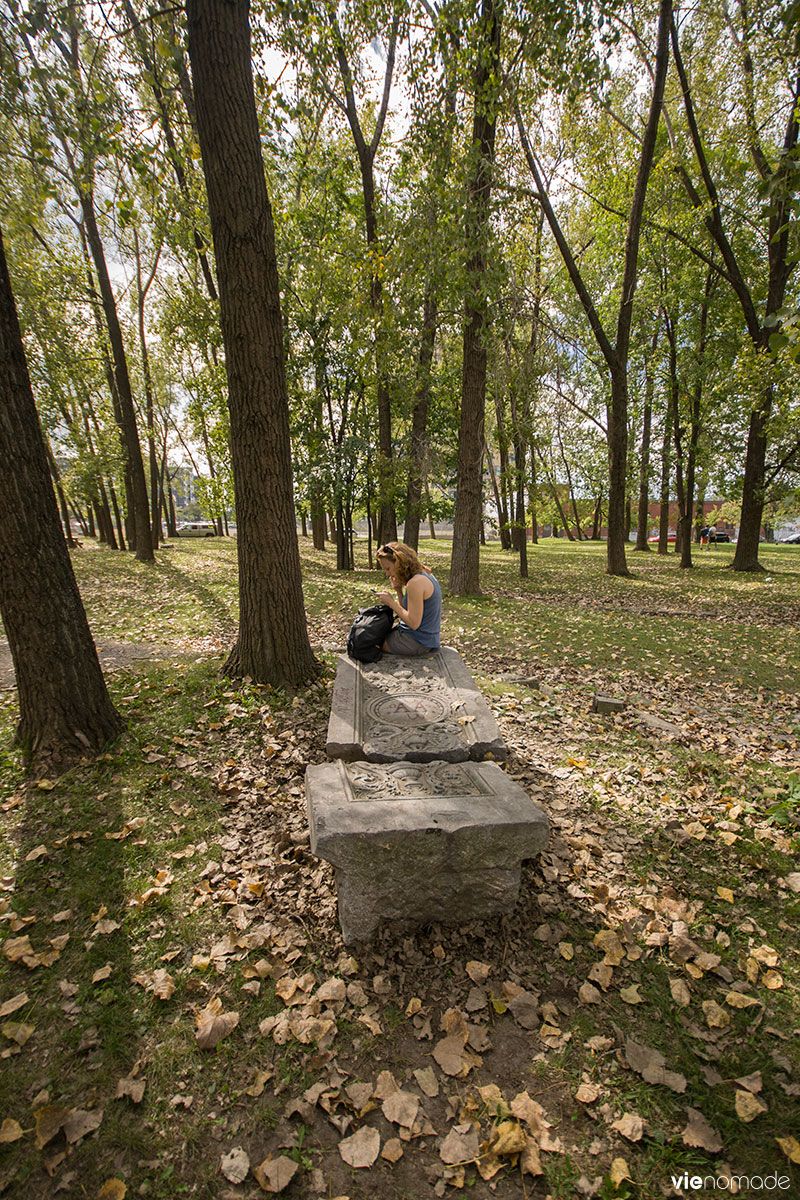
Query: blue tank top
pixel 430 626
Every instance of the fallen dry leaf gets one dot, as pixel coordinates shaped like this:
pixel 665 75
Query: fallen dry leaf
pixel 235 1165
pixel 16 949
pixel 715 1015
pixel 478 972
pixel 48 1121
pixel 80 1122
pixel 426 1078
pixel 700 1133
pixel 274 1174
pixel 587 1093
pixel 752 1083
pixel 630 1125
pixel 524 1007
pixel 17 1031
pixel 680 992
pixel 392 1150
pixel 589 994
pixel 362 1149
pixel 15 1003
pixel 132 1088
pixel 748 1107
pixel 10 1131
pixel 401 1108
pixel 740 1000
pixel 619 1171
pixel 451 1055
pixel 213 1024
pixel 631 994
pixel 112 1189
pixel 460 1145
pixel 608 941
pixel 790 1145
pixel 650 1064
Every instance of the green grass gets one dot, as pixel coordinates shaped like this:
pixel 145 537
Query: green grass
pixel 712 652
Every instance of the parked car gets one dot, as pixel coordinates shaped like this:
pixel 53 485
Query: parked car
pixel 794 540
pixel 654 538
pixel 196 529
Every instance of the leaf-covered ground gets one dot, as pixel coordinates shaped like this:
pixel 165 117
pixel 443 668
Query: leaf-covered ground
pixel 180 1016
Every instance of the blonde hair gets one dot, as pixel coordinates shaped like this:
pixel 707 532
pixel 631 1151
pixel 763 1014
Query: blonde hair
pixel 406 561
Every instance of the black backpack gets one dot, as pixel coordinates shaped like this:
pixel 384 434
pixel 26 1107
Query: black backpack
pixel 369 631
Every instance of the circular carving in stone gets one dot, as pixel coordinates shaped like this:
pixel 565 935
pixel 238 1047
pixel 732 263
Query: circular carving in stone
pixel 408 709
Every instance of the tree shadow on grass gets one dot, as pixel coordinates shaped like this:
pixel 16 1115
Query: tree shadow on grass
pixel 183 584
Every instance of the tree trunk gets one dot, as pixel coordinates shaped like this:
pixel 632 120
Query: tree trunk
pixel 419 421
pixel 643 521
pixel 141 297
pixel 746 555
pixel 387 517
pixel 65 709
pixel 617 471
pixel 775 182
pixel 465 561
pixel 272 646
pixel 663 514
pixel 682 531
pixel 135 466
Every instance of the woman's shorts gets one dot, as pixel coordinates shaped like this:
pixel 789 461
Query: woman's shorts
pixel 401 642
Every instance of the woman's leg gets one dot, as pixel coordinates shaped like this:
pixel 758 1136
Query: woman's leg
pixel 401 642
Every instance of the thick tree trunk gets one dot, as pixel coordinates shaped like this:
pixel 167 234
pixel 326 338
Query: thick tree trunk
pixel 272 646
pixel 746 555
pixel 65 709
pixel 467 521
pixel 617 472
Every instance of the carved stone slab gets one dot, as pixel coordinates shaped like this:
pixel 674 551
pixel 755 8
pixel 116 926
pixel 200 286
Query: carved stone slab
pixel 410 709
pixel 414 843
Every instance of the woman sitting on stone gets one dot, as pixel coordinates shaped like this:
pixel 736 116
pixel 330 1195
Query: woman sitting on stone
pixel 419 607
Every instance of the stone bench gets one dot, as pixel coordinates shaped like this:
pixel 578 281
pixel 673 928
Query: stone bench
pixel 414 843
pixel 410 709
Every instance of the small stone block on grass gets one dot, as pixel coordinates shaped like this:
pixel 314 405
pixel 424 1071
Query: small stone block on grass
pixel 411 709
pixel 417 843
pixel 607 705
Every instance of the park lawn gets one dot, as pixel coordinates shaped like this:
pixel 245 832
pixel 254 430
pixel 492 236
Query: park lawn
pixel 167 889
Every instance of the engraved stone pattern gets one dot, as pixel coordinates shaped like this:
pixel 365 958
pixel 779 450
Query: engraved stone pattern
pixel 410 781
pixel 447 848
pixel 416 710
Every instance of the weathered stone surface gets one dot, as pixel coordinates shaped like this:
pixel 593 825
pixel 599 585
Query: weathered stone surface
pixel 607 704
pixel 415 843
pixel 413 710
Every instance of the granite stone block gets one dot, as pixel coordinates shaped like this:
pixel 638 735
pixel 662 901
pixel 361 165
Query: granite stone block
pixel 410 709
pixel 417 843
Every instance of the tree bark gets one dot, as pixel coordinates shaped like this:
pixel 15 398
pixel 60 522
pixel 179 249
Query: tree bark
pixel 774 182
pixel 419 421
pixel 643 522
pixel 122 383
pixel 616 354
pixel 272 646
pixel 663 515
pixel 467 520
pixel 387 517
pixel 65 709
